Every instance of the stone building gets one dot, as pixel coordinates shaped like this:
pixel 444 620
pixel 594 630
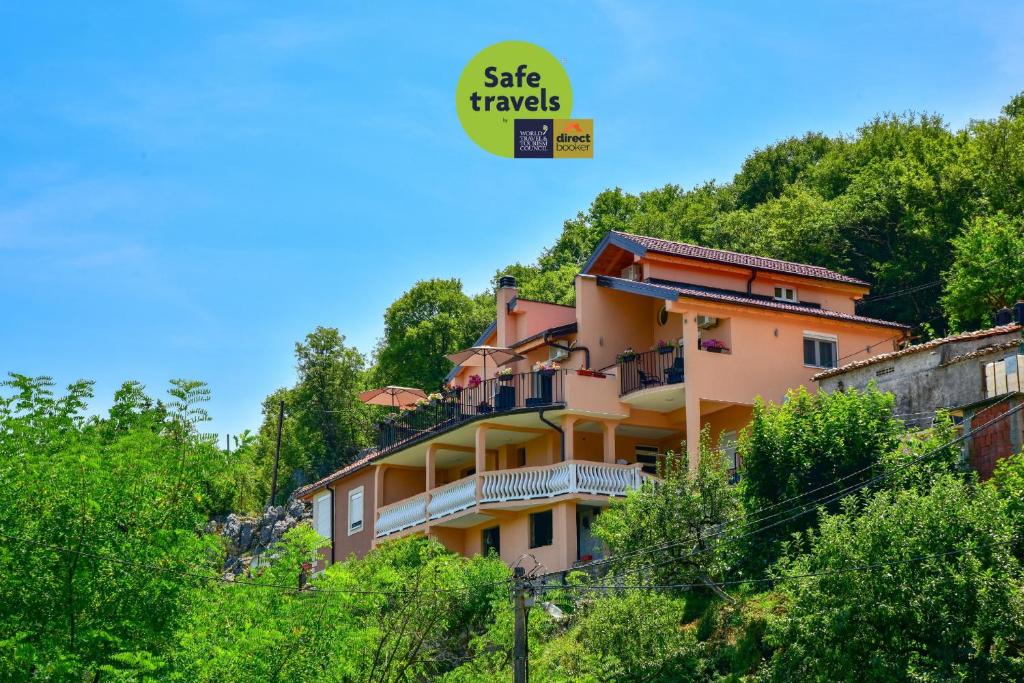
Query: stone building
pixel 976 376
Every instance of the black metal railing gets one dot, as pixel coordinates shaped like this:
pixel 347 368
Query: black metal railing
pixel 496 395
pixel 650 369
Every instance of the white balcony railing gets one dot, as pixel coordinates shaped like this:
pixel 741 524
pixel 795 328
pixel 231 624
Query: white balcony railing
pixel 527 483
pixel 402 515
pixel 452 498
pixel 521 483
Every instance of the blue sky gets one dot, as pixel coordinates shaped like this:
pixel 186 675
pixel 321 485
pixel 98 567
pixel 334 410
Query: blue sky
pixel 186 189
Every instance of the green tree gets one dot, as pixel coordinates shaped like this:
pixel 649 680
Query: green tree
pixel 325 424
pixel 988 269
pixel 681 514
pixel 430 320
pixel 767 173
pixel 906 585
pixel 100 522
pixel 793 452
pixel 404 612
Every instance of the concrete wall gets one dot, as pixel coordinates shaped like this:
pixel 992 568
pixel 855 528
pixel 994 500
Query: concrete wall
pixel 925 381
pixel 358 543
pixel 766 353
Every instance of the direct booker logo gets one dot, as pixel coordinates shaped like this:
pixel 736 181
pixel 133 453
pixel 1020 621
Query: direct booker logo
pixel 514 99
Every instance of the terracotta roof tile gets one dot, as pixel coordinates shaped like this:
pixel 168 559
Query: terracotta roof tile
pixel 359 463
pixel 695 251
pixel 977 334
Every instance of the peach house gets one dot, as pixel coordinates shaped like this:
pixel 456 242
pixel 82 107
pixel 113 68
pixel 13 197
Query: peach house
pixel 665 339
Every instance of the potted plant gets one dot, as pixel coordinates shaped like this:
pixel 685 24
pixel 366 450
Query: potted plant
pixel 547 368
pixel 473 382
pixel 714 346
pixel 453 389
pixel 627 355
pixel 664 347
pixel 587 372
pixel 505 375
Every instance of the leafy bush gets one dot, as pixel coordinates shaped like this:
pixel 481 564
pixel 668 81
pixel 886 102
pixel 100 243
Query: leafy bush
pixel 923 611
pixel 803 446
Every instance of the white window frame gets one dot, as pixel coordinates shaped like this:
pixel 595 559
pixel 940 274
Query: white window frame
pixel 728 443
pixel 781 292
pixel 354 493
pixel 322 514
pixel 820 337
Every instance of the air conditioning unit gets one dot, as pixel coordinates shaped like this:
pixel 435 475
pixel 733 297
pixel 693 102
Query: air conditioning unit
pixel 634 273
pixel 557 354
pixel 706 322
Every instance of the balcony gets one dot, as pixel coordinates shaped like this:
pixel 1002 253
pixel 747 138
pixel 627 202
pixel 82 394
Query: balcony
pixel 509 486
pixel 495 396
pixel 658 368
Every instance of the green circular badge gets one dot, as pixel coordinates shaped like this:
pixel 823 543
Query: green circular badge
pixel 508 81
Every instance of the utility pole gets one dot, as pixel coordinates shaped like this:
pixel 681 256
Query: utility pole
pixel 521 649
pixel 227 443
pixel 277 454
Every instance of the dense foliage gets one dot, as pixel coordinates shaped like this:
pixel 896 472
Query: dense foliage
pixel 99 518
pixel 405 612
pixel 797 448
pixel 682 514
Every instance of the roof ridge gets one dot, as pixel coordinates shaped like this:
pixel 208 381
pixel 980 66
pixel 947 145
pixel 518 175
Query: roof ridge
pixel 833 275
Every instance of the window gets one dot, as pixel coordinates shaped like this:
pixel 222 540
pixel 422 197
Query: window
pixel 355 510
pixel 785 294
pixel 819 352
pixel 541 529
pixel 492 540
pixel 322 514
pixel 662 316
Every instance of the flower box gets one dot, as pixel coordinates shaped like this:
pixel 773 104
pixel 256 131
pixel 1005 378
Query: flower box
pixel 591 373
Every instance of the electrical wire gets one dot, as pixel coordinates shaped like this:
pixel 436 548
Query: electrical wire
pixel 784 577
pixel 204 578
pixel 803 509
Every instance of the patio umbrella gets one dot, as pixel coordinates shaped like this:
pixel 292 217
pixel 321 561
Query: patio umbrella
pixel 391 396
pixel 499 356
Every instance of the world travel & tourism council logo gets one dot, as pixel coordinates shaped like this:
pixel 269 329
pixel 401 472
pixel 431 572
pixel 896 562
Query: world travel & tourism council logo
pixel 554 139
pixel 508 99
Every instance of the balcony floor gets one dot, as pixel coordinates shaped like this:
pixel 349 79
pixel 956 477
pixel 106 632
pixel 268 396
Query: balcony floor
pixel 663 398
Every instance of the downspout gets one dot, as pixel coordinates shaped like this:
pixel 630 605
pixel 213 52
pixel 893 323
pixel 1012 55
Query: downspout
pixel 750 282
pixel 569 349
pixel 329 488
pixel 558 429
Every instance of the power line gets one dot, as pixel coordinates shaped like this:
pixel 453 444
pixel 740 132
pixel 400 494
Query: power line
pixel 805 507
pixel 785 577
pixel 900 292
pixel 203 578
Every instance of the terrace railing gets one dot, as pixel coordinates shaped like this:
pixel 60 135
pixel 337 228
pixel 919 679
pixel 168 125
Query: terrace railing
pixel 499 486
pixel 496 395
pixel 649 369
